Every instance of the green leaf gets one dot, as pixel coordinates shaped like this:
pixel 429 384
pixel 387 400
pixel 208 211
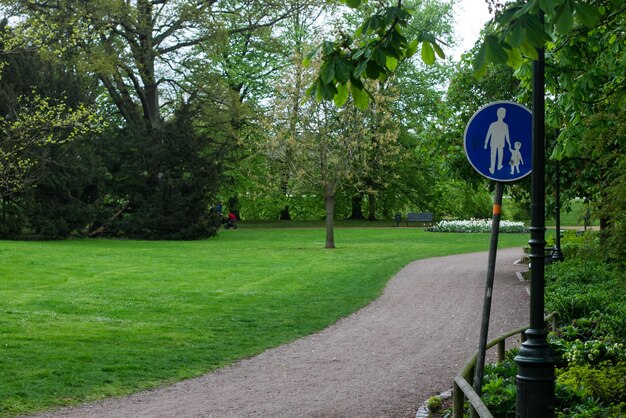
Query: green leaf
pixel 380 57
pixel 547 5
pixel 515 58
pixel 557 152
pixel 342 95
pixel 358 54
pixel 480 61
pixel 376 23
pixel 439 51
pixel 356 82
pixel 312 89
pixel 428 37
pixel 373 70
pixel 328 91
pixel 353 3
pixel 428 53
pixel 360 97
pixel 327 72
pixel 525 70
pixel 516 36
pixel 328 47
pixel 534 30
pixel 343 70
pixel 319 95
pixel 529 50
pixel 360 68
pixel 564 18
pixel 397 40
pixel 324 91
pixel 306 61
pixel 495 51
pixel 392 63
pixel 412 48
pixel 363 28
pixel 586 13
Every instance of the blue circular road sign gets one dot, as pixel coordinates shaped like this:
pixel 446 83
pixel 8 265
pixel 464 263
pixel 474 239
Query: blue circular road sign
pixel 498 140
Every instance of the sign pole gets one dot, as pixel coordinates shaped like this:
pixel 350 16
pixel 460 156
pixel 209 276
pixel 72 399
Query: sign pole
pixel 497 143
pixel 491 267
pixel 535 376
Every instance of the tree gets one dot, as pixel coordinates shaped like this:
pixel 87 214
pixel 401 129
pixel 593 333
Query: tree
pixel 584 67
pixel 142 53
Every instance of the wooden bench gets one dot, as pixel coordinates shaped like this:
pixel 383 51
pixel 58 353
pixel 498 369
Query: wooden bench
pixel 421 217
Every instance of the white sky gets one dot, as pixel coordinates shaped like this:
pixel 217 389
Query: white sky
pixel 470 17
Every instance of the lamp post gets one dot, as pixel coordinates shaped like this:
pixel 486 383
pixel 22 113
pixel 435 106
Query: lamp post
pixel 557 254
pixel 535 377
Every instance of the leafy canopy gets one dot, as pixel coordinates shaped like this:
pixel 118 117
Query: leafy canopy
pixel 373 52
pixel 519 30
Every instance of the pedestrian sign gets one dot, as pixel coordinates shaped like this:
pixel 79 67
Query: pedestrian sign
pixel 498 141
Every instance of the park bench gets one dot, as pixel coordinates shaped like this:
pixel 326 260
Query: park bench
pixel 421 217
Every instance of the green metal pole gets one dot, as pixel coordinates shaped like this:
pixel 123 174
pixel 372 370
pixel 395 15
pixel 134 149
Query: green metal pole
pixel 557 255
pixel 535 378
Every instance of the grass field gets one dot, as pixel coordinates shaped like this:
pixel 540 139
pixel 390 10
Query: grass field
pixel 86 319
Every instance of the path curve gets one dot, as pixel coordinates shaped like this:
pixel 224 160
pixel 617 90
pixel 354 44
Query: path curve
pixel 382 361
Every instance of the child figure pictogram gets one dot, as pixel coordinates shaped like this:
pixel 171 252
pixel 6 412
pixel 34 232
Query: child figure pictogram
pixel 516 157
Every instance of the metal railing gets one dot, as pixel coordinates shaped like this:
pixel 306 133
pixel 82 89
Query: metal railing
pixel 462 389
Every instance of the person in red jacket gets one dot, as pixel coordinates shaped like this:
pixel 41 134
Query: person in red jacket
pixel 231 221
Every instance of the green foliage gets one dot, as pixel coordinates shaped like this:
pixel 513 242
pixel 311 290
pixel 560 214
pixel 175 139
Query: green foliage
pixel 605 382
pixel 373 52
pixel 434 404
pixel 590 296
pixel 586 101
pixel 583 288
pixel 167 193
pixel 47 113
pixel 520 31
pixel 498 391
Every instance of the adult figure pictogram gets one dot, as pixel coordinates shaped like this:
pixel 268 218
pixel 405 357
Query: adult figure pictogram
pixel 497 136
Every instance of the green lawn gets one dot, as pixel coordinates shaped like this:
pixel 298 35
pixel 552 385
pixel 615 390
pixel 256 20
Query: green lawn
pixel 85 319
pixel 573 215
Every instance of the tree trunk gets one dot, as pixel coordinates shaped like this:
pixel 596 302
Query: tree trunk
pixel 371 207
pixel 329 200
pixel 357 207
pixel 284 214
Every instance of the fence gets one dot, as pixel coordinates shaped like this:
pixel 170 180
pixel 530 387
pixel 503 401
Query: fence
pixel 462 389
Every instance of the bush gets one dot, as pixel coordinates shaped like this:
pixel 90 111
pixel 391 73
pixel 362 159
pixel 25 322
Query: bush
pixel 578 288
pixel 434 404
pixel 477 225
pixel 499 388
pixel 605 382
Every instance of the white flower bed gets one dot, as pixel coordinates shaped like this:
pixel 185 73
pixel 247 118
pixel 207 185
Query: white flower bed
pixel 477 225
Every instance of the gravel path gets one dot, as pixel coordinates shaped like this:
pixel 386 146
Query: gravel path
pixel 382 361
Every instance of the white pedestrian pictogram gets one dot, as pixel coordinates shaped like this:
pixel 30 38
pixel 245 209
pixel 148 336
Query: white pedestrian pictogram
pixel 516 157
pixel 497 136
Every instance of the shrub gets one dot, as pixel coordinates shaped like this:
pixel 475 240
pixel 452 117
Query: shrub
pixel 499 388
pixel 434 404
pixel 477 225
pixel 580 288
pixel 605 382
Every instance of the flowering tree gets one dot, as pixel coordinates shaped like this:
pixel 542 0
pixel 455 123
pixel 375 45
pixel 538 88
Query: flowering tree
pixel 36 123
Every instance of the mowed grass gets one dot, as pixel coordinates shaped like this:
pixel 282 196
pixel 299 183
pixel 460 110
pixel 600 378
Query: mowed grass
pixel 85 319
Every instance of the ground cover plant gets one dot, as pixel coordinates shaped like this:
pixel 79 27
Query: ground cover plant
pixel 85 319
pixel 590 344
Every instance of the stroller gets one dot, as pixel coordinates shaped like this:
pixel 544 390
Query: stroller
pixel 229 222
